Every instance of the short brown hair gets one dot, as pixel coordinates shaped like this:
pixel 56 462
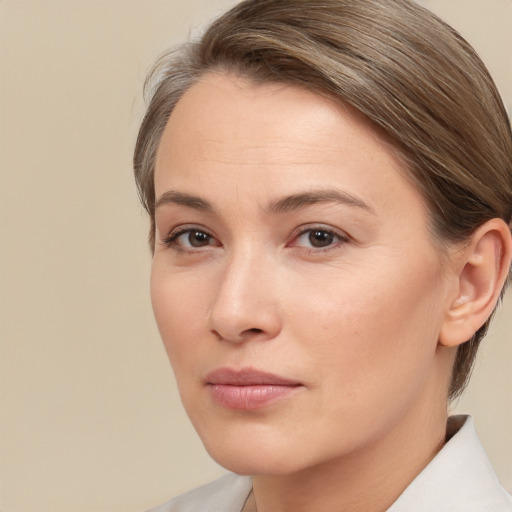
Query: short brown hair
pixel 409 72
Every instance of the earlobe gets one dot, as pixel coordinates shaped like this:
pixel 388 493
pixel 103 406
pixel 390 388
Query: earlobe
pixel 484 268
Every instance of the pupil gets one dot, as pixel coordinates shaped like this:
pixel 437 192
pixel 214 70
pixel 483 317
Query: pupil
pixel 320 238
pixel 198 239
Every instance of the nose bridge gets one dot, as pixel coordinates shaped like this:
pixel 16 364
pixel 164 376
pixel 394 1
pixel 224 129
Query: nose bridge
pixel 244 304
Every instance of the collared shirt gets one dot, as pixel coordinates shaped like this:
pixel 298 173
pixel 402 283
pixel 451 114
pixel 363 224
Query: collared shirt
pixel 459 478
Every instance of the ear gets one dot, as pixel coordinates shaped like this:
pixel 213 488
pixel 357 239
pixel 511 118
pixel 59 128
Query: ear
pixel 484 267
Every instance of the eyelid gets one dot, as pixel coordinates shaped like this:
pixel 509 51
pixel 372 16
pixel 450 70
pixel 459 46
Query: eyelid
pixel 342 236
pixel 176 232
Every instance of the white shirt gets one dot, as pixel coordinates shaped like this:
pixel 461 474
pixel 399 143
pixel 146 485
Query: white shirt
pixel 459 478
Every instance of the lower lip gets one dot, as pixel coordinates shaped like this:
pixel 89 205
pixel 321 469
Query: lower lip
pixel 249 397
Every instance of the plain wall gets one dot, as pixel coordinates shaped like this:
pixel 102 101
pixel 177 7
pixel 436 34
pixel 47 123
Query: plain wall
pixel 90 417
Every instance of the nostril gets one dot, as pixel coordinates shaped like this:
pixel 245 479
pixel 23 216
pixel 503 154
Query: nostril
pixel 254 330
pixel 217 334
pixel 240 337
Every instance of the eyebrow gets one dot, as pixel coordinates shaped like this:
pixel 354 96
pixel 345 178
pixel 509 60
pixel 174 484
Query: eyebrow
pixel 285 204
pixel 304 199
pixel 174 197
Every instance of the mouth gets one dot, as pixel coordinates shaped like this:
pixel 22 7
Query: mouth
pixel 248 388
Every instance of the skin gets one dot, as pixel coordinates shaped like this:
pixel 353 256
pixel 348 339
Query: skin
pixel 356 322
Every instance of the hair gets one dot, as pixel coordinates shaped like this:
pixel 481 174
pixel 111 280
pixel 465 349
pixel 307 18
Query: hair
pixel 406 70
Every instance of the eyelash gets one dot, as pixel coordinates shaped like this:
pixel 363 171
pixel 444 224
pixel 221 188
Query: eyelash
pixel 339 238
pixel 171 240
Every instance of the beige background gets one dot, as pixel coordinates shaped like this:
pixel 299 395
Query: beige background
pixel 90 419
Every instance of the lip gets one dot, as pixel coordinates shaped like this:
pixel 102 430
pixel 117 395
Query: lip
pixel 248 388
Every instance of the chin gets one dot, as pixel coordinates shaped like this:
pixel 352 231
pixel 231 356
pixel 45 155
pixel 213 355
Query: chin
pixel 254 462
pixel 258 452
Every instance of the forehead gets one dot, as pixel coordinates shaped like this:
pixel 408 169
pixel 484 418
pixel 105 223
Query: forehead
pixel 227 129
pixel 222 106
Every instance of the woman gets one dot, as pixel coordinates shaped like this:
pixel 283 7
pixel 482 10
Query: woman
pixel 329 185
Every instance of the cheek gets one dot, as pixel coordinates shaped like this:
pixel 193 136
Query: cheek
pixel 370 332
pixel 179 314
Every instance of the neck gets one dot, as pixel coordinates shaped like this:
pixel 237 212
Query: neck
pixel 369 479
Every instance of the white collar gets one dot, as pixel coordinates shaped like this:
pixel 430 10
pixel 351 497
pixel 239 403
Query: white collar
pixel 459 478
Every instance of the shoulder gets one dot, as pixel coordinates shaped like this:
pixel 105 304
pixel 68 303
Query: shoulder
pixel 227 494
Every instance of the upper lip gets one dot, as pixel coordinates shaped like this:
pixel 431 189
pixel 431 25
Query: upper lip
pixel 247 377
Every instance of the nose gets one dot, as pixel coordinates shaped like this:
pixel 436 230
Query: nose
pixel 245 305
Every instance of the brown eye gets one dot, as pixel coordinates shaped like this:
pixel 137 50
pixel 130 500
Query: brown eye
pixel 198 238
pixel 320 238
pixel 190 239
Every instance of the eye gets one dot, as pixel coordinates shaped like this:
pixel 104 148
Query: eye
pixel 318 238
pixel 189 238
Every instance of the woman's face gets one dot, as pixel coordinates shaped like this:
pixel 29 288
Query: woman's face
pixel 296 288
